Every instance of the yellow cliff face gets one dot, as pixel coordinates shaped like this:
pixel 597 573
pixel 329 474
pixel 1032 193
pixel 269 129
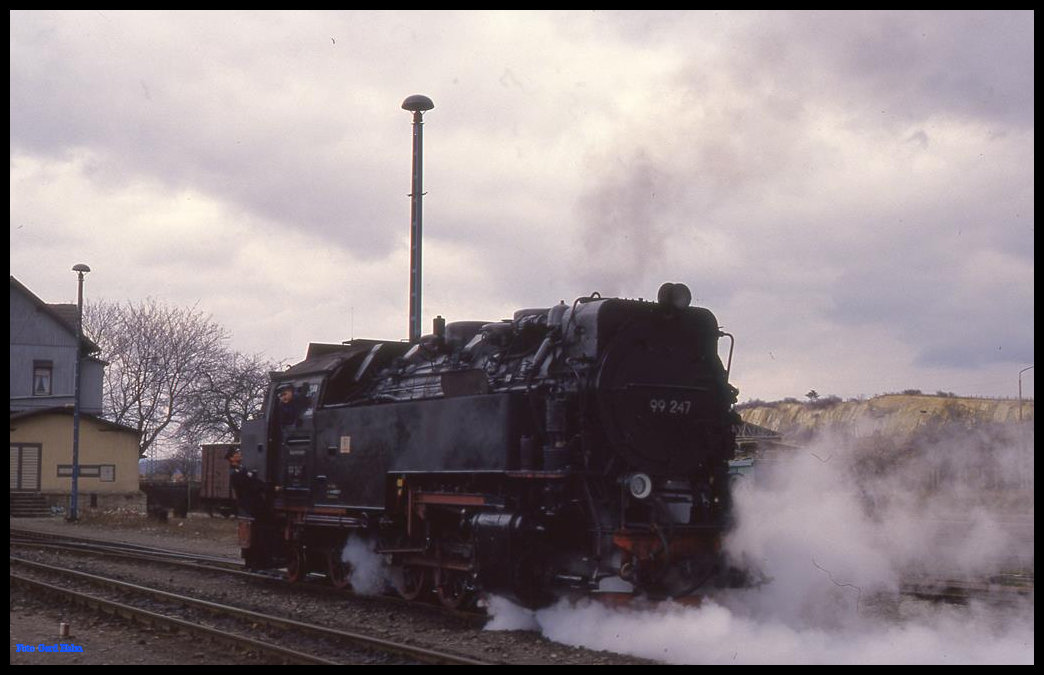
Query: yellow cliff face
pixel 890 414
pixel 934 454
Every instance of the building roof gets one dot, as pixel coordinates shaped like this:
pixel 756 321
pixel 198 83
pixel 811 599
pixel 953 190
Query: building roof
pixel 64 313
pixel 17 415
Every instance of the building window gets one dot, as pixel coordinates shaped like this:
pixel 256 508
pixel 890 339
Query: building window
pixel 42 378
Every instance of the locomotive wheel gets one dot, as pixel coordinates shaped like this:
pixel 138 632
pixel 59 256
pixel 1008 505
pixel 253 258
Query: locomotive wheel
pixel 295 564
pixel 339 571
pixel 451 587
pixel 415 581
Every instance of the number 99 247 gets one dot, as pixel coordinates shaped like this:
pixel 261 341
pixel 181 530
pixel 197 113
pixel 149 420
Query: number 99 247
pixel 670 406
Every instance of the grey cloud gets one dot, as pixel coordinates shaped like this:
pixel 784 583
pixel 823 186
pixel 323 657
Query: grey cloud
pixel 857 168
pixel 913 65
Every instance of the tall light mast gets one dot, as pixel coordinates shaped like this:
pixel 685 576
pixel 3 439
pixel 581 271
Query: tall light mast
pixel 416 104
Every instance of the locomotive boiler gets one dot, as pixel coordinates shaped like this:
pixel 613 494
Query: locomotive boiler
pixel 576 447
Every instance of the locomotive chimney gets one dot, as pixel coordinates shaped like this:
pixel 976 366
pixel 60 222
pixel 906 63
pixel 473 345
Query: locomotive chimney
pixel 416 104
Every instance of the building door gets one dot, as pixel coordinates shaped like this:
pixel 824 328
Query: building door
pixel 25 467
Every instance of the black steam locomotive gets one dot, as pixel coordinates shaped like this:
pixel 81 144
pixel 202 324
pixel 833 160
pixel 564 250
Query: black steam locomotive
pixel 578 447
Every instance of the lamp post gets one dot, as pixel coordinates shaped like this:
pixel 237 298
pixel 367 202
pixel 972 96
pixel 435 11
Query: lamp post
pixel 1020 389
pixel 416 104
pixel 80 270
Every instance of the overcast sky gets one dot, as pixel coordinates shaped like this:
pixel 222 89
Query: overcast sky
pixel 851 193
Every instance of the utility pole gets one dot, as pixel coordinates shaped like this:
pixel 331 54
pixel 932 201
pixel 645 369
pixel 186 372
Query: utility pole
pixel 80 270
pixel 416 104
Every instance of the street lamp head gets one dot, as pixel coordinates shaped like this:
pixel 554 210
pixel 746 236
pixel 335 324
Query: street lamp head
pixel 81 268
pixel 417 103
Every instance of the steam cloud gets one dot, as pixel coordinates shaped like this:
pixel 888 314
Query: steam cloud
pixel 369 574
pixel 837 527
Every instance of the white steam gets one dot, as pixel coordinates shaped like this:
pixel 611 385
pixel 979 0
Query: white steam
pixel 369 573
pixel 838 528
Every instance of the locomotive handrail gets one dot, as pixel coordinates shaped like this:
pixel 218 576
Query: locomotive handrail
pixel 732 345
pixel 675 387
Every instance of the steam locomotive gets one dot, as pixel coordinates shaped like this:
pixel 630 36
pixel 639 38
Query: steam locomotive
pixel 580 447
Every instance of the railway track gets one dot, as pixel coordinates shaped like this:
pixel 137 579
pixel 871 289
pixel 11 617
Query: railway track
pixel 1008 588
pixel 278 639
pixel 314 601
pixel 1003 587
pixel 123 549
pixel 313 583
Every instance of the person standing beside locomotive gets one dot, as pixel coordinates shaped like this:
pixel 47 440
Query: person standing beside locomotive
pixel 248 488
pixel 252 503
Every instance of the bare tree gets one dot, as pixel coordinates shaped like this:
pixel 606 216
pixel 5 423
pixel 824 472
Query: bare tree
pixel 225 397
pixel 157 354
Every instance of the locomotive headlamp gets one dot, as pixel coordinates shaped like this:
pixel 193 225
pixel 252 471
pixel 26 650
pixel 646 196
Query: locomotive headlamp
pixel 639 485
pixel 677 296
